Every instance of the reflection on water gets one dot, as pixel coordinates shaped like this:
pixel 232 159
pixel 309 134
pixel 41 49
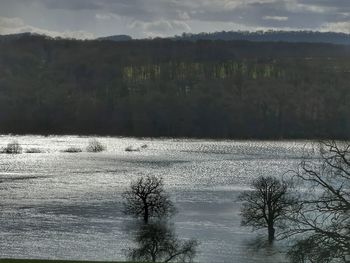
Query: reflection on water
pixel 68 206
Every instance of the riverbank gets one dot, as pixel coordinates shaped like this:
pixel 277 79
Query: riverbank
pixel 53 261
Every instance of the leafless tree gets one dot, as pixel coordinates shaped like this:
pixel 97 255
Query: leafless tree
pixel 322 223
pixel 147 199
pixel 266 205
pixel 158 243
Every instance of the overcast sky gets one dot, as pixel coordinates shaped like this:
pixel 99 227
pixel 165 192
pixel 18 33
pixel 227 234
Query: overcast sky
pixel 150 18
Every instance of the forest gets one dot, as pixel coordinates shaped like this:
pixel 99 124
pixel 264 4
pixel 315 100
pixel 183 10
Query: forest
pixel 174 88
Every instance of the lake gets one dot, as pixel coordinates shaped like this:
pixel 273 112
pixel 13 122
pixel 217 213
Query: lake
pixel 57 205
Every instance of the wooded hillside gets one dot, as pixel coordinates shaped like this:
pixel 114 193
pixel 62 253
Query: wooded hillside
pixel 218 89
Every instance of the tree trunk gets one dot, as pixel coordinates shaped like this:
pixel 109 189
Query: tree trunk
pixel 154 258
pixel 145 216
pixel 271 231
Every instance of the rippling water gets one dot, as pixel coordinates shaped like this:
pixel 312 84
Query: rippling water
pixel 68 206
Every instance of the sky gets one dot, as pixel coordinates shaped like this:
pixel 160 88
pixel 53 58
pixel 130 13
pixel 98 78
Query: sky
pixel 87 19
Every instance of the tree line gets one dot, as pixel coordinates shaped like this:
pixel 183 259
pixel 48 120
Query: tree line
pixel 163 87
pixel 272 35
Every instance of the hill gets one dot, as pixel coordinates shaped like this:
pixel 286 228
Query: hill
pixel 258 36
pixel 116 38
pixel 176 88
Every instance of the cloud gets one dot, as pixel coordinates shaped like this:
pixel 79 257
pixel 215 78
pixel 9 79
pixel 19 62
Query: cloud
pixel 339 5
pixel 337 27
pixel 106 16
pixel 297 7
pixel 160 27
pixel 183 15
pixel 141 18
pixel 276 18
pixel 10 24
pixel 16 25
pixel 71 4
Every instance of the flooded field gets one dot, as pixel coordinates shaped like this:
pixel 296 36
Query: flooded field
pixel 61 205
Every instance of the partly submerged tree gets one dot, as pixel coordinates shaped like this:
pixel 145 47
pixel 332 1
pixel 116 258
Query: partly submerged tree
pixel 158 243
pixel 321 225
pixel 266 205
pixel 155 240
pixel 146 198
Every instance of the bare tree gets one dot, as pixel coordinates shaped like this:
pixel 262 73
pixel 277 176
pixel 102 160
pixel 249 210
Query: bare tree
pixel 266 205
pixel 158 243
pixel 322 223
pixel 146 198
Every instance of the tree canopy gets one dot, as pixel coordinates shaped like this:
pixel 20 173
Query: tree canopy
pixel 266 205
pixel 146 199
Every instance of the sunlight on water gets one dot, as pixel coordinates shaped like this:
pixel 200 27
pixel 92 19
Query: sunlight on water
pixel 67 205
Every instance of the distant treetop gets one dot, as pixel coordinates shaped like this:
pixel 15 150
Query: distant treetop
pixel 272 36
pixel 257 36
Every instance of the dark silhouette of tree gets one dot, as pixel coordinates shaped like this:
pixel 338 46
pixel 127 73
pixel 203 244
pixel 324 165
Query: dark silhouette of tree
pixel 266 205
pixel 156 242
pixel 321 225
pixel 146 198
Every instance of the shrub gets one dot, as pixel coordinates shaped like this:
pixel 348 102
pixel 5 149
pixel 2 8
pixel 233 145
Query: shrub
pixel 73 150
pixel 13 148
pixel 33 150
pixel 95 146
pixel 131 149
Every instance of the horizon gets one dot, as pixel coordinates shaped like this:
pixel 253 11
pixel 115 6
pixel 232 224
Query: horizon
pixel 184 34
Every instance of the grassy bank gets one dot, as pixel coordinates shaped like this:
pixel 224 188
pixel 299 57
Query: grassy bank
pixel 52 261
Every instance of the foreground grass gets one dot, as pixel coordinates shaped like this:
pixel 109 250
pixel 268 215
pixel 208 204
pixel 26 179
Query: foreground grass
pixel 53 261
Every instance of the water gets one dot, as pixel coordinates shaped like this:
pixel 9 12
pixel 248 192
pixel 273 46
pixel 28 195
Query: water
pixel 57 205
